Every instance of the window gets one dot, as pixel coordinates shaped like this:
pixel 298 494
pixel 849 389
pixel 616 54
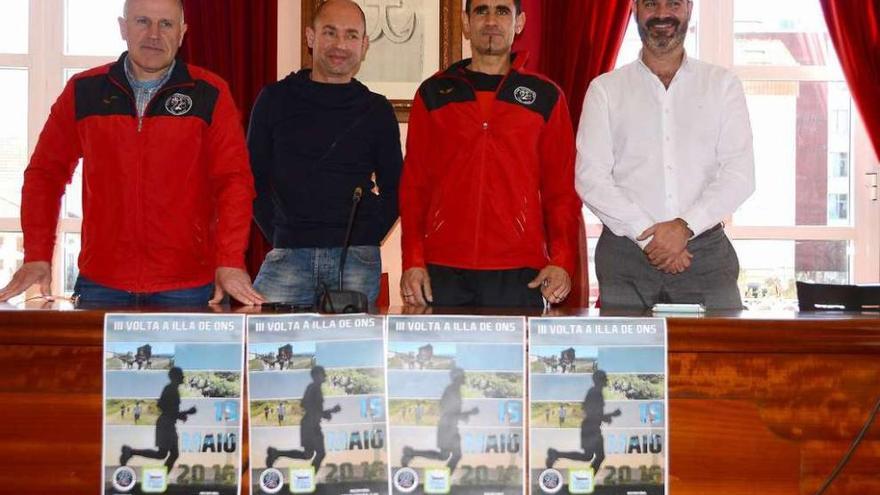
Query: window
pixel 11 256
pixel 42 44
pixel 838 208
pixel 839 164
pixel 13 137
pixel 807 220
pixel 14 27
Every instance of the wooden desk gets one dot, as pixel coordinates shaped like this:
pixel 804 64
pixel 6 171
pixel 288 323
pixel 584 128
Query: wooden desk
pixel 759 404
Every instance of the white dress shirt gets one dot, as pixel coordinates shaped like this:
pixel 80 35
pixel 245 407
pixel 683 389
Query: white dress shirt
pixel 648 154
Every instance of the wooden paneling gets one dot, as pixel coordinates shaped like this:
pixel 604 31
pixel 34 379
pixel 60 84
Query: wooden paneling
pixel 758 404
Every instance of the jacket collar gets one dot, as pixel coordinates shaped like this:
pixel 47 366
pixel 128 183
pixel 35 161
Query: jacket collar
pixel 517 61
pixel 180 75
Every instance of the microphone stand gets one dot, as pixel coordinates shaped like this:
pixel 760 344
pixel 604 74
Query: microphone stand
pixel 345 301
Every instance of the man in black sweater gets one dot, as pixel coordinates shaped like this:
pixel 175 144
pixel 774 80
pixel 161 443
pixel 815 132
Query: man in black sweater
pixel 314 138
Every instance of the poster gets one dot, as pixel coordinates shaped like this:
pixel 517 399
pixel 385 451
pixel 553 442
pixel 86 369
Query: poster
pixel 455 404
pixel 316 389
pixel 172 403
pixel 597 407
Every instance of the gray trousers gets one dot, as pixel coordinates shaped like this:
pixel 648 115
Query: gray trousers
pixel 627 280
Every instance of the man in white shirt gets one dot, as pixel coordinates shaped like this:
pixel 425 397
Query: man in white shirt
pixel 664 155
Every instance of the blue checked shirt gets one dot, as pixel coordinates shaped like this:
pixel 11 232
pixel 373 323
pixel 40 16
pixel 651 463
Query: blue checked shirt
pixel 145 90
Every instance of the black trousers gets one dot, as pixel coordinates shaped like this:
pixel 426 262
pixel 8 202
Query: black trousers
pixel 484 288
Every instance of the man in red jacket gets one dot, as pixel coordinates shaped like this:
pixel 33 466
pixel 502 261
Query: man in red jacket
pixel 167 188
pixel 488 206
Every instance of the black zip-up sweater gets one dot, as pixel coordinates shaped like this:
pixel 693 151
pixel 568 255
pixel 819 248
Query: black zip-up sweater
pixel 311 144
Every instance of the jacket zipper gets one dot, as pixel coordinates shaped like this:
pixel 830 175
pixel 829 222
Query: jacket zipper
pixel 137 205
pixel 485 128
pixel 139 268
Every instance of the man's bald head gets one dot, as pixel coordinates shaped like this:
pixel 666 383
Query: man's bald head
pixel 341 3
pixel 128 2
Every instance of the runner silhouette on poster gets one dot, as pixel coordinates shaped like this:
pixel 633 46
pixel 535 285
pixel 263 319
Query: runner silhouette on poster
pixel 448 436
pixel 311 436
pixel 592 442
pixel 166 425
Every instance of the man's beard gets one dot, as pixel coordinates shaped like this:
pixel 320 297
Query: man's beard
pixel 497 49
pixel 496 45
pixel 663 43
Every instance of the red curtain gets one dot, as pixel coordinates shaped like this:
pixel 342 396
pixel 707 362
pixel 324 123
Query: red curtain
pixel 238 41
pixel 572 42
pixel 530 39
pixel 580 41
pixel 854 26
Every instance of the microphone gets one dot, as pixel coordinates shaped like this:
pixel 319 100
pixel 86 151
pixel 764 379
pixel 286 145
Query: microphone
pixel 345 301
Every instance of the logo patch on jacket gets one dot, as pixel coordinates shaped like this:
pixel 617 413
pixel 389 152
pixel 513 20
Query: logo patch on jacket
pixel 525 95
pixel 178 104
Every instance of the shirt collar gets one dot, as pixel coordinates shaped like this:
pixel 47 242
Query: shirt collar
pixel 685 67
pixel 139 85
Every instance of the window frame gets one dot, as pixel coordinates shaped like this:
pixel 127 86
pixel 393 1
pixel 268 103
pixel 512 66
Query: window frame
pixel 46 62
pixel 863 234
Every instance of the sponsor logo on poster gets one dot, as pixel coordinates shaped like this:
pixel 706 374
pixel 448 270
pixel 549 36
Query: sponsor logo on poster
pixel 437 481
pixel 124 478
pixel 302 480
pixel 580 481
pixel 406 480
pixel 550 481
pixel 155 479
pixel 271 481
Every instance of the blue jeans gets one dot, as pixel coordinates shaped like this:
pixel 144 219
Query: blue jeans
pixel 296 276
pixel 88 294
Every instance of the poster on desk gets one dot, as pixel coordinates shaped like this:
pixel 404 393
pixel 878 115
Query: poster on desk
pixel 456 389
pixel 316 388
pixel 172 403
pixel 597 406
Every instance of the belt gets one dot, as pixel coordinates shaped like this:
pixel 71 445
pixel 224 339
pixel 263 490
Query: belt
pixel 718 226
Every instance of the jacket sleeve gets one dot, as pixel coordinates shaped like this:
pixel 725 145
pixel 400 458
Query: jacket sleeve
pixel 231 181
pixel 51 167
pixel 259 141
pixel 414 195
pixel 388 161
pixel 559 200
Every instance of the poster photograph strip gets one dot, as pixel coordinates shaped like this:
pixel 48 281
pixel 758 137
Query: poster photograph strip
pixel 172 403
pixel 316 389
pixel 597 406
pixel 455 404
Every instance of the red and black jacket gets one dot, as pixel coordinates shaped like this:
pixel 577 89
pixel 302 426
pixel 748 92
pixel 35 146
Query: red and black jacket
pixel 166 198
pixel 489 191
